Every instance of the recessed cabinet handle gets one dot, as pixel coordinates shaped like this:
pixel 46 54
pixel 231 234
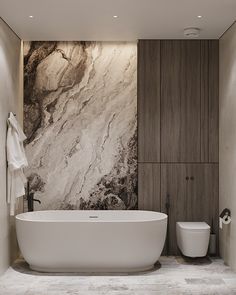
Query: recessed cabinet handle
pixel 192 178
pixel 187 178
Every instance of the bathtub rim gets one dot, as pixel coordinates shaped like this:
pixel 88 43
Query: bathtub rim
pixel 26 217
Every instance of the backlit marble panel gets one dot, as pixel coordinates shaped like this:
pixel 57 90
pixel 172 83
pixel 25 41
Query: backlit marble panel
pixel 80 118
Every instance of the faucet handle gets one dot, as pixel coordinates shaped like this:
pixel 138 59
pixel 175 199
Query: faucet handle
pixel 36 200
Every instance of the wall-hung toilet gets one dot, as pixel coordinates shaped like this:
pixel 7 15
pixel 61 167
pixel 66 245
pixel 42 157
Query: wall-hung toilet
pixel 193 238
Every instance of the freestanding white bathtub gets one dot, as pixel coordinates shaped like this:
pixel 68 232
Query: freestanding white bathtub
pixel 91 241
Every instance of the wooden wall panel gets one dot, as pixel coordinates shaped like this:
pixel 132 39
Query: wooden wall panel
pixel 213 101
pixel 209 101
pixel 149 187
pixel 180 101
pixel 204 101
pixel 149 101
pixel 178 130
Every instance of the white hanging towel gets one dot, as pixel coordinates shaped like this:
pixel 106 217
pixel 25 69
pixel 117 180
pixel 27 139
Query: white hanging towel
pixel 16 160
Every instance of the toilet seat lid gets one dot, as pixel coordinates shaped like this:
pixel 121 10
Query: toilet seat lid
pixel 193 225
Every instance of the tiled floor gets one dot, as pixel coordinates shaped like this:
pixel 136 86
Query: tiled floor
pixel 174 276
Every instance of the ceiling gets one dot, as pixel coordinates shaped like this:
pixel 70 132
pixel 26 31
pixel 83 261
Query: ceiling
pixel 137 19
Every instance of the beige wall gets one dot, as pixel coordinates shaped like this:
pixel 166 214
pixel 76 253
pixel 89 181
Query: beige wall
pixel 228 142
pixel 11 99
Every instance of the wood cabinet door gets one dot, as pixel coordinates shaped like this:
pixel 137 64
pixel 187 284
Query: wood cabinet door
pixel 203 194
pixel 149 179
pixel 193 195
pixel 180 101
pixel 149 101
pixel 174 185
pixel 209 101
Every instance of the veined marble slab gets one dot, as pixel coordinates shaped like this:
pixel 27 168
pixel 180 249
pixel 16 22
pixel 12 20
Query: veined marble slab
pixel 80 117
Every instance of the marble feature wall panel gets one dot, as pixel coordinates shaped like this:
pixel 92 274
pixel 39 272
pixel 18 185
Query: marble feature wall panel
pixel 80 117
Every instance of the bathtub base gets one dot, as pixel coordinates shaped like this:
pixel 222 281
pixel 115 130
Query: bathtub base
pixel 92 270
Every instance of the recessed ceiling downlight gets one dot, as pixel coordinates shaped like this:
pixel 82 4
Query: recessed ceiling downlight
pixel 115 16
pixel 191 32
pixel 31 16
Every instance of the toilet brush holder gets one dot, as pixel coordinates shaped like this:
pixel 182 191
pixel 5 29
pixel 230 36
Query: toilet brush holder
pixel 212 244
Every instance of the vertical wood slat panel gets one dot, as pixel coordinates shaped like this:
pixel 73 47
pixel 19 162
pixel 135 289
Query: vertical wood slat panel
pixel 170 100
pixel 213 101
pixel 149 187
pixel 180 101
pixel 204 101
pixel 149 101
pixel 191 135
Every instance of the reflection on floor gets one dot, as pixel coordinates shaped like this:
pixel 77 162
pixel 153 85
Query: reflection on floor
pixel 175 276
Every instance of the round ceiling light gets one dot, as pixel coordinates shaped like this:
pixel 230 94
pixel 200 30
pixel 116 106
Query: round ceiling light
pixel 191 32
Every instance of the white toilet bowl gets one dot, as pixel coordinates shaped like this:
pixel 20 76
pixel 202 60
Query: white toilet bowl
pixel 193 238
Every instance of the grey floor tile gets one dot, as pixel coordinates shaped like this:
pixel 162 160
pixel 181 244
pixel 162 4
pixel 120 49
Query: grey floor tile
pixel 176 276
